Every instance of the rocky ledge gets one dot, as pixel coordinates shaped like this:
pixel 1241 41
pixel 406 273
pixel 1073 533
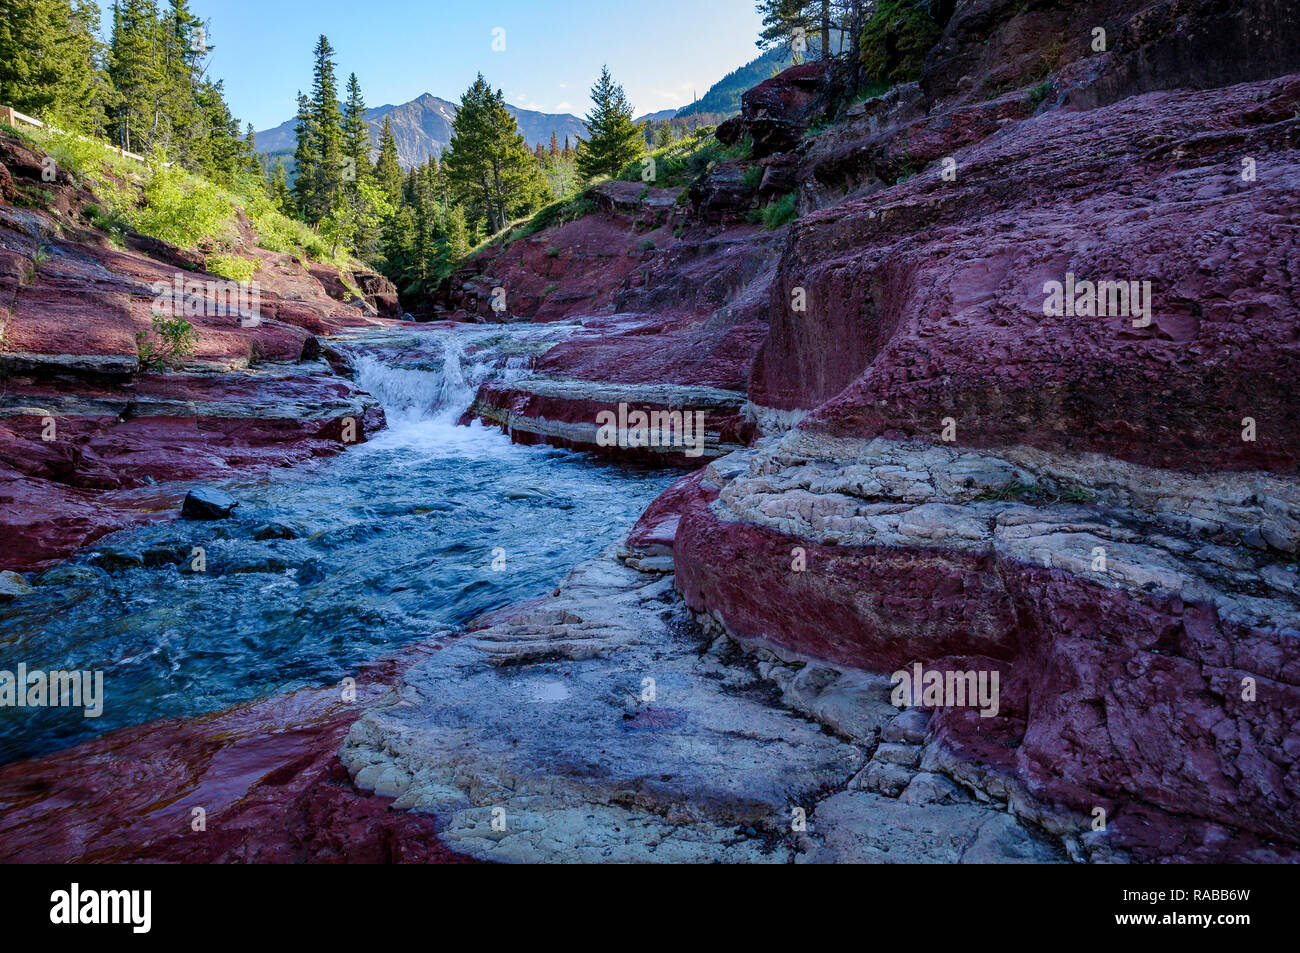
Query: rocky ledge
pixel 604 724
pixel 86 431
pixel 1146 658
pixel 258 782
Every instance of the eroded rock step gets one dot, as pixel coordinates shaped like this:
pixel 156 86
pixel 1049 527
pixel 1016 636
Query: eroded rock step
pixel 542 739
pixel 1143 622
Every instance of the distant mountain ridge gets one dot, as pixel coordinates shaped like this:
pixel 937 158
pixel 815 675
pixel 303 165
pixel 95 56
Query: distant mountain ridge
pixel 422 129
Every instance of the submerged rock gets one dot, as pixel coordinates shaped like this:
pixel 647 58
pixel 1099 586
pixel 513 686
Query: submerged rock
pixel 274 531
pixel 116 560
pixel 69 575
pixel 207 503
pixel 12 586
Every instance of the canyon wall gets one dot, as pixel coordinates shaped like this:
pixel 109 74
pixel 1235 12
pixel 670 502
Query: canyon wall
pixel 1098 502
pixel 86 431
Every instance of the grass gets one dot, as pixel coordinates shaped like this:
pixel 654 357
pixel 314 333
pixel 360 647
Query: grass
pixel 173 205
pixel 112 225
pixel 680 162
pixel 776 213
pixel 1021 492
pixel 232 267
pixel 560 212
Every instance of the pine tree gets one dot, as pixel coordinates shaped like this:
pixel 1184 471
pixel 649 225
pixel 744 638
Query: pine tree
pixel 325 131
pixel 49 61
pixel 615 139
pixel 181 122
pixel 356 133
pixel 555 146
pixel 135 72
pixel 305 157
pixel 783 20
pixel 457 234
pixel 220 152
pixel 388 167
pixel 251 162
pixel 488 165
pixel 279 189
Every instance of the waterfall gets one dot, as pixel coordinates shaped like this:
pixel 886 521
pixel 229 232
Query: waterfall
pixel 433 380
pixel 410 395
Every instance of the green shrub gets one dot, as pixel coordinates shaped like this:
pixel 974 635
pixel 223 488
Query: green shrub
pixel 82 159
pixel 686 159
pixel 778 213
pixel 172 340
pixel 753 176
pixel 232 267
pixel 110 223
pixel 179 208
pixel 896 39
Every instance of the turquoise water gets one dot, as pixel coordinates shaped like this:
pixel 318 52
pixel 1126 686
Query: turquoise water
pixel 421 529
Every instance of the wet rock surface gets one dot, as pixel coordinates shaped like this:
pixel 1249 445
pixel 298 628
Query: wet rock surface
pixel 207 503
pixel 257 783
pixel 938 472
pixel 605 725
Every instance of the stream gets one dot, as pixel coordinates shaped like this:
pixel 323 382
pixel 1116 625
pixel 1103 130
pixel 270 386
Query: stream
pixel 327 566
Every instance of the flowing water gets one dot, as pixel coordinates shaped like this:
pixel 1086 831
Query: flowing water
pixel 422 528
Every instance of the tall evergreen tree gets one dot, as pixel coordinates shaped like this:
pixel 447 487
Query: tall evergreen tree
pixel 279 188
pixel 325 129
pixel 388 167
pixel 783 20
pixel 135 72
pixel 181 125
pixel 356 132
pixel 489 167
pixel 50 61
pixel 615 139
pixel 305 157
pixel 251 162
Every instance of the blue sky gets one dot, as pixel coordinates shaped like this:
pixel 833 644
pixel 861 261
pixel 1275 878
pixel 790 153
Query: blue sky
pixel 660 51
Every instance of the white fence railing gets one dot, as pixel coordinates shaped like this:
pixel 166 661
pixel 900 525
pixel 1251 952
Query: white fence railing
pixel 13 117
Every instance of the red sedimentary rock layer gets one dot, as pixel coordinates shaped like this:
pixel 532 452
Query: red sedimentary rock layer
pixel 252 396
pixel 265 774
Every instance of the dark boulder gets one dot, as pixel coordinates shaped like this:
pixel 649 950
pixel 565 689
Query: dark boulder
pixel 730 131
pixel 721 195
pixel 207 503
pixel 774 114
pixel 380 292
pixel 780 175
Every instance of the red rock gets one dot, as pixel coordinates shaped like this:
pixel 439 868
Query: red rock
pixel 265 773
pixel 772 114
pixel 925 301
pixel 70 354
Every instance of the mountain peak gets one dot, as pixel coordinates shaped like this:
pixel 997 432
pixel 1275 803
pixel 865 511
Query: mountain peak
pixel 422 128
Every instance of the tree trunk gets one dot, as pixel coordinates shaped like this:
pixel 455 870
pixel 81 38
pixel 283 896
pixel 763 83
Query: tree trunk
pixel 855 43
pixel 826 29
